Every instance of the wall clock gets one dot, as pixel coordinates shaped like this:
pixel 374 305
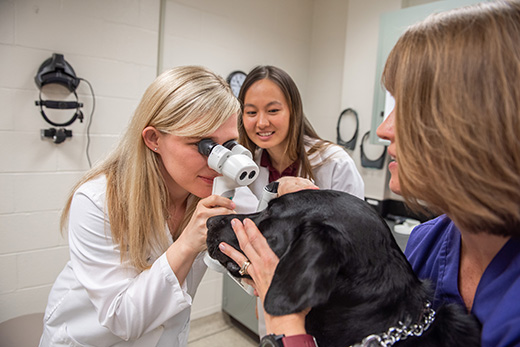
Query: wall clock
pixel 235 80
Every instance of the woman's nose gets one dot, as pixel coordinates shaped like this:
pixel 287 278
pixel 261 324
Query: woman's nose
pixel 385 130
pixel 263 120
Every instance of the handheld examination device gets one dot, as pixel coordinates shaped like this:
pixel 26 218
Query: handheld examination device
pixel 238 169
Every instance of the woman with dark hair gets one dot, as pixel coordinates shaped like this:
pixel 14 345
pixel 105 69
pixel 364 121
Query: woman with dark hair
pixel 274 128
pixel 455 141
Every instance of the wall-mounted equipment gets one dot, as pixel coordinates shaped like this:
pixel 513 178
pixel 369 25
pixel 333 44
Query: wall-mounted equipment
pixel 350 144
pixel 56 70
pixel 235 80
pixel 371 163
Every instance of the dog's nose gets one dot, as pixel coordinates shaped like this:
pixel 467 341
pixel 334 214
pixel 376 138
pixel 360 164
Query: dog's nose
pixel 211 222
pixel 216 222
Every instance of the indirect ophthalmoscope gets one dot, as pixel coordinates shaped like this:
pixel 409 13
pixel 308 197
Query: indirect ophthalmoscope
pixel 238 169
pixel 236 164
pixel 233 161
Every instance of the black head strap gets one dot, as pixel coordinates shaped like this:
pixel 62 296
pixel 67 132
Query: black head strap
pixel 61 105
pixel 376 163
pixel 350 144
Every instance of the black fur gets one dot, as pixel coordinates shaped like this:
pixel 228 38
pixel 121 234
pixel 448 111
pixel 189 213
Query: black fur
pixel 338 256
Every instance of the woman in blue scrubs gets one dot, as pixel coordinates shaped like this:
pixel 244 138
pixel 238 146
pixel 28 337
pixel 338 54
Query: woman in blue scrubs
pixel 455 78
pixel 455 145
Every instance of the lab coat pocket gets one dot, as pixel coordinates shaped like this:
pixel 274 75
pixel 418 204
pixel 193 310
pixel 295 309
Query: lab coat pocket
pixel 62 338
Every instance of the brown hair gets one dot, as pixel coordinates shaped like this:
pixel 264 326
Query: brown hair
pixel 299 125
pixel 456 80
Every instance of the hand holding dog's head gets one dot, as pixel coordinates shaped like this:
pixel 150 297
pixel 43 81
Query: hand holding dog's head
pixel 338 256
pixel 303 233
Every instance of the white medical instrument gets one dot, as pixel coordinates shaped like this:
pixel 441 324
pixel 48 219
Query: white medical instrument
pixel 233 161
pixel 238 169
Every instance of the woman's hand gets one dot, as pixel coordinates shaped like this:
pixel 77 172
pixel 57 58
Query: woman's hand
pixel 289 184
pixel 192 240
pixel 261 256
pixel 263 265
pixel 194 234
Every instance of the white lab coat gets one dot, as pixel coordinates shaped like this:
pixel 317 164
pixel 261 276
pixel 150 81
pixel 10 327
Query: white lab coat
pixel 338 173
pixel 97 301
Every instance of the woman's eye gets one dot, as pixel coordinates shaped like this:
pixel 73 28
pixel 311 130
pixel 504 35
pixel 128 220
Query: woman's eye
pixel 274 110
pixel 250 113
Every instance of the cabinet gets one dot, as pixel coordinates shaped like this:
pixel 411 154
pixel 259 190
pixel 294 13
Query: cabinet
pixel 238 304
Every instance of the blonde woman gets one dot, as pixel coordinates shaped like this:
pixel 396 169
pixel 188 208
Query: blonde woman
pixel 137 221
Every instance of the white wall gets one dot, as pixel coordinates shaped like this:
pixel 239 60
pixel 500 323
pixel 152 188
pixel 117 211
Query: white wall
pixel 228 35
pixel 325 45
pixel 322 104
pixel 113 45
pixel 359 79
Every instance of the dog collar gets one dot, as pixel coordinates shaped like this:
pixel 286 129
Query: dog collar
pixel 401 332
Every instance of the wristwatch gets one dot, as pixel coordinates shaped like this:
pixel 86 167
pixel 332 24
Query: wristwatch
pixel 303 340
pixel 272 341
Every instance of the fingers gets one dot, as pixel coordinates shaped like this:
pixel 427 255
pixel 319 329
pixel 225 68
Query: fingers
pixel 231 252
pixel 290 184
pixel 248 237
pixel 255 237
pixel 214 205
pixel 243 240
pixel 194 235
pixel 218 201
pixel 257 251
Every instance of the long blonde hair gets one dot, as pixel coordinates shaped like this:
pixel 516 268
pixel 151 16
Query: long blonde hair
pixel 456 80
pixel 184 101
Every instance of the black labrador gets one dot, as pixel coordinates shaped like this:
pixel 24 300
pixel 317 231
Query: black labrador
pixel 338 256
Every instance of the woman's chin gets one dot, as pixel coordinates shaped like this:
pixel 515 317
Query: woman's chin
pixel 394 186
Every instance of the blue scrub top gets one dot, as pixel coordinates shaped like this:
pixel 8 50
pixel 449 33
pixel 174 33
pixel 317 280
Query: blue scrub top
pixel 433 250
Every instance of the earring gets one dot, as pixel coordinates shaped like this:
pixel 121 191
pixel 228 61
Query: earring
pixel 155 149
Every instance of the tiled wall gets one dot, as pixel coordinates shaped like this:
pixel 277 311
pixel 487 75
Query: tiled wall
pixel 113 44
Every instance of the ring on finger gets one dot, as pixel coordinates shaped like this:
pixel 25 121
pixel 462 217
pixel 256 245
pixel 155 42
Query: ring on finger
pixel 243 269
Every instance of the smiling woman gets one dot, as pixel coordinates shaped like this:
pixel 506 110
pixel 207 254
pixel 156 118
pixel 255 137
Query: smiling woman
pixel 274 127
pixel 137 221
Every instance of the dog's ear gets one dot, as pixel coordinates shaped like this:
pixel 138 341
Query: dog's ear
pixel 306 273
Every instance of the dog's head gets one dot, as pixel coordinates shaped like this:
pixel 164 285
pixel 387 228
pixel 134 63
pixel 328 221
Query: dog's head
pixel 313 233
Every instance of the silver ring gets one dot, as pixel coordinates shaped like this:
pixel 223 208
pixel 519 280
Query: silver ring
pixel 243 269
